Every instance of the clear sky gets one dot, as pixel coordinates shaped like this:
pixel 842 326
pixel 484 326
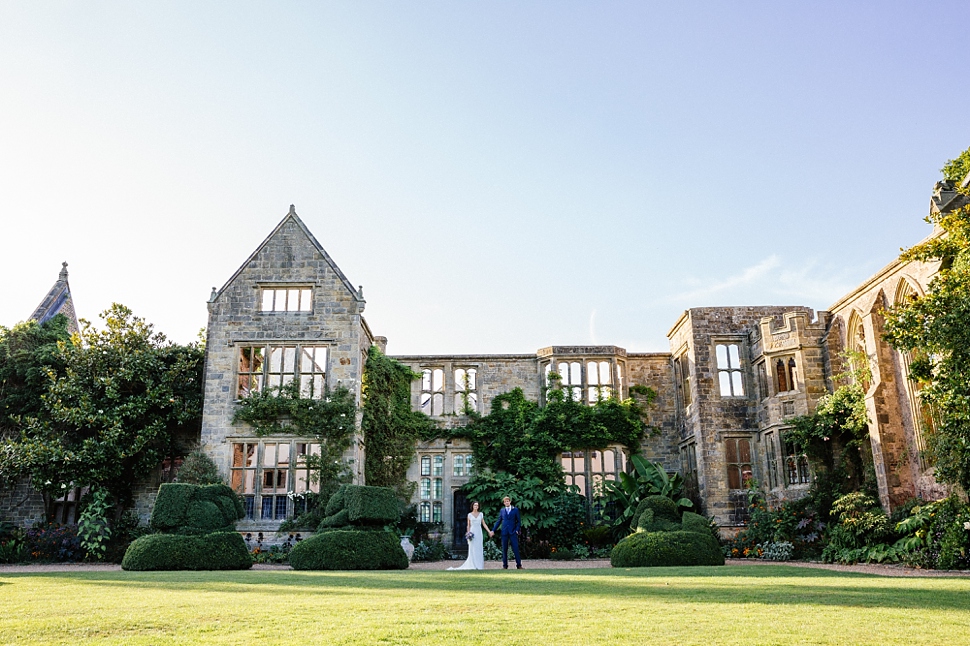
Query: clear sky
pixel 499 176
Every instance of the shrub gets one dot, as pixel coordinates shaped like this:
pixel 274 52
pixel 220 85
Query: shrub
pixel 195 509
pixel 646 522
pixel 492 551
pixel 53 542
pixel 663 509
pixel 199 469
pixel 371 505
pixel 938 535
pixel 781 551
pixel 430 550
pixel 565 554
pixel 349 550
pixel 217 551
pixel 650 549
pixel 862 526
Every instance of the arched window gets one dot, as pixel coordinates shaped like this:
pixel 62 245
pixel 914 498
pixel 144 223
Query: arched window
pixel 792 381
pixel 922 415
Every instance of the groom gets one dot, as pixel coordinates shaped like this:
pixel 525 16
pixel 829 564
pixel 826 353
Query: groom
pixel 509 519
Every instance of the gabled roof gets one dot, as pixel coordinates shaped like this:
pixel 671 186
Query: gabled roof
pixel 357 294
pixel 57 301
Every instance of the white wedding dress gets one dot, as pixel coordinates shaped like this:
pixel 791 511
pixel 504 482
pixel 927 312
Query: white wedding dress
pixel 476 546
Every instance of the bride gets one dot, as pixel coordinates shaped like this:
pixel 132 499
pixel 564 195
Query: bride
pixel 476 543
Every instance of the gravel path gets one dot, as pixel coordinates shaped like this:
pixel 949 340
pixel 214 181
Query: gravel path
pixel 875 569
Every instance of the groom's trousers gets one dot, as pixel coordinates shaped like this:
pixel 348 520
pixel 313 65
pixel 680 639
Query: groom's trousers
pixel 512 539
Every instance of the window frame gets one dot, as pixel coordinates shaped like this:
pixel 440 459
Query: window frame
pixel 730 370
pixel 302 292
pixel 265 374
pixel 297 477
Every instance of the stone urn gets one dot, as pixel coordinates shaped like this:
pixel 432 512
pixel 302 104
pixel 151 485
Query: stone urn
pixel 407 546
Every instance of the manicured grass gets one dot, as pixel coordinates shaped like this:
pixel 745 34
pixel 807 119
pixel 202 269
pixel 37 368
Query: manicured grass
pixel 725 605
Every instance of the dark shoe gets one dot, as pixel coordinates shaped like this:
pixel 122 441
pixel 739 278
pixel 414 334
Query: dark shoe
pixel 518 567
pixel 505 567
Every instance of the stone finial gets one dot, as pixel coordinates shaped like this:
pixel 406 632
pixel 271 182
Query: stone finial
pixel 213 295
pixel 292 209
pixel 360 291
pixel 63 274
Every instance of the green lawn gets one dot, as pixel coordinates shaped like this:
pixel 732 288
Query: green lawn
pixel 727 605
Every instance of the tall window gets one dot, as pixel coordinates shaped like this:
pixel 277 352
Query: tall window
pixel 271 366
pixel 267 474
pixel 786 375
pixel 572 379
pixel 771 456
pixel 588 469
pixel 600 381
pixel 688 464
pixel 682 365
pixel 286 299
pixel 738 456
pixel 796 466
pixel 763 380
pixel 433 391
pixel 729 375
pixel 431 488
pixel 462 465
pixel 466 390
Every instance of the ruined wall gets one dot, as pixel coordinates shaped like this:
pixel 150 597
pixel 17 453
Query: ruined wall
pixel 654 370
pixel 895 431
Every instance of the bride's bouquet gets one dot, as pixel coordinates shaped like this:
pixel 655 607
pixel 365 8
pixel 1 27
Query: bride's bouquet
pixel 470 536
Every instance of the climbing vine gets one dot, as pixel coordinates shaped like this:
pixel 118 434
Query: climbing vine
pixel 389 426
pixel 329 420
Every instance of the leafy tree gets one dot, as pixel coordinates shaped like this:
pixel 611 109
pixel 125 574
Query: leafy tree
pixel 389 426
pixel 125 395
pixel 28 354
pixel 934 329
pixel 517 447
pixel 957 168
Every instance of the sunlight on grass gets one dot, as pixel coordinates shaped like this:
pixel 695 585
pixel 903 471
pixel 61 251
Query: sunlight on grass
pixel 735 605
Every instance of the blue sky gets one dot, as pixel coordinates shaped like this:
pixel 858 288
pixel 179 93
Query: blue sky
pixel 499 176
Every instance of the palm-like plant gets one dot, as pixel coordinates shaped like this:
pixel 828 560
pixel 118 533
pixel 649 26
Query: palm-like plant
pixel 647 479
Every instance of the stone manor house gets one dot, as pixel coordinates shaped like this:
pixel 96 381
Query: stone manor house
pixel 728 385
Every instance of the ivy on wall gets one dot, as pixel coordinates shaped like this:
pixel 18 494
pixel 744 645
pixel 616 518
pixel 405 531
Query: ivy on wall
pixel 389 426
pixel 329 421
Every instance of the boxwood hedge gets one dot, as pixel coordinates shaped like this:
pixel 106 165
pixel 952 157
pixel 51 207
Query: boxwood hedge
pixel 194 509
pixel 648 549
pixel 349 549
pixel 217 551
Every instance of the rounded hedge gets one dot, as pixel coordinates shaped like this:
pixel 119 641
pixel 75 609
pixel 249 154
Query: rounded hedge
pixel 349 549
pixel 652 549
pixel 663 509
pixel 218 551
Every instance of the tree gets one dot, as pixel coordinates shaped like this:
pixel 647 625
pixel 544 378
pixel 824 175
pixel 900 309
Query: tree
pixel 126 394
pixel 28 354
pixel 935 330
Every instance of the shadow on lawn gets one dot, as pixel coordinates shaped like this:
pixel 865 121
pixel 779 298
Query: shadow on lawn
pixel 760 585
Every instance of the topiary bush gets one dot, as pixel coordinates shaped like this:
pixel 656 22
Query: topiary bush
pixel 195 509
pixel 666 537
pixel 371 505
pixel 217 551
pixel 663 508
pixel 651 549
pixel 349 550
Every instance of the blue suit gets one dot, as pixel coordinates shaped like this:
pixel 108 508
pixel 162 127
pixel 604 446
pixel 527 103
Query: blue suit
pixel 511 523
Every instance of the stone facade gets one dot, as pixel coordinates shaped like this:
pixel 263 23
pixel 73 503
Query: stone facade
pixel 726 390
pixel 287 311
